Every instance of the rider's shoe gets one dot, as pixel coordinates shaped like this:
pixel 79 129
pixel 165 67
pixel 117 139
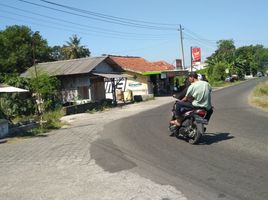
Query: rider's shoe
pixel 172 129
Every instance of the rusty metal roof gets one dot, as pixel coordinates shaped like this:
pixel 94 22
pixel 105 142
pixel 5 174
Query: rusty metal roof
pixel 67 67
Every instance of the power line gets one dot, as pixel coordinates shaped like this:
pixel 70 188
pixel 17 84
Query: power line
pixel 80 32
pixel 199 41
pixel 104 20
pixel 107 16
pixel 90 27
pixel 199 37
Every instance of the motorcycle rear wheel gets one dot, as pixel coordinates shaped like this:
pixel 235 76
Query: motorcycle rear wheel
pixel 195 133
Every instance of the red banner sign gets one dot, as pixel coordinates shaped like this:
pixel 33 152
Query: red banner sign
pixel 196 54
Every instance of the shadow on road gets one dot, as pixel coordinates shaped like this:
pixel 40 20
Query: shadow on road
pixel 109 156
pixel 210 138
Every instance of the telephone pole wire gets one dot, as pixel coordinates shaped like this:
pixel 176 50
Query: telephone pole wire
pixel 182 50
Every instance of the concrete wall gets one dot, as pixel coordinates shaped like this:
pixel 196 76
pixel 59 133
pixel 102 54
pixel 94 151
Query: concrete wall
pixel 138 84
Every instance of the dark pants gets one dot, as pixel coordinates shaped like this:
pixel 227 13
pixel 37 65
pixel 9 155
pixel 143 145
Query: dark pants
pixel 181 107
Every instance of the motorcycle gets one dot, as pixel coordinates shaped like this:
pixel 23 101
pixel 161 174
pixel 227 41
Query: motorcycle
pixel 192 125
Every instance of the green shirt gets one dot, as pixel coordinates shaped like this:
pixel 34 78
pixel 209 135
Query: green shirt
pixel 201 92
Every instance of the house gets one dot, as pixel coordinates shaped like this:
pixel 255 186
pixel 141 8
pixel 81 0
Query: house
pixel 146 78
pixel 82 80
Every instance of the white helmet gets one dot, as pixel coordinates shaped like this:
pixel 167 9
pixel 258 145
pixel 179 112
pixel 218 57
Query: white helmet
pixel 200 77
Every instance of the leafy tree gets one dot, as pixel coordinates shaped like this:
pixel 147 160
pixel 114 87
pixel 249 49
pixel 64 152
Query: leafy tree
pixel 57 53
pixel 17 44
pixel 45 88
pixel 223 58
pixel 24 104
pixel 17 104
pixel 73 49
pixel 224 53
pixel 254 58
pixel 218 73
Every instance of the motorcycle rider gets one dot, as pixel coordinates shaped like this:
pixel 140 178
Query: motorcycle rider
pixel 200 91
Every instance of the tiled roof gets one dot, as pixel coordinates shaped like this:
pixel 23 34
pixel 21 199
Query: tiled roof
pixel 140 65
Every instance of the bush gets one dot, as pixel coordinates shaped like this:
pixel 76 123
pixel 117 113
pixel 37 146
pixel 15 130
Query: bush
pixel 52 119
pixel 218 73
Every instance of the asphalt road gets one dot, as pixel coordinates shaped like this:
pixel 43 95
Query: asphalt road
pixel 231 161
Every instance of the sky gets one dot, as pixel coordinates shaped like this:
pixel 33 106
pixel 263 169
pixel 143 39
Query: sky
pixel 145 28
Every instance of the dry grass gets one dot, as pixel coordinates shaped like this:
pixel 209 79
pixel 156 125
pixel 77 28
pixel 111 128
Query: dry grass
pixel 259 96
pixel 261 90
pixel 260 102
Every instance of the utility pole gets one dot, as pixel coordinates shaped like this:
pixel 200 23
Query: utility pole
pixel 191 53
pixel 39 99
pixel 182 51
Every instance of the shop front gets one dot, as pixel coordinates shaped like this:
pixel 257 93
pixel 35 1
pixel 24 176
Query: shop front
pixel 163 82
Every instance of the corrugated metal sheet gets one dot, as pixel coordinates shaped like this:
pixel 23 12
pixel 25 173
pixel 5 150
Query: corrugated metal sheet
pixel 67 67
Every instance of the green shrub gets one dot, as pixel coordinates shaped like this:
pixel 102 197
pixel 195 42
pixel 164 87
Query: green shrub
pixel 218 73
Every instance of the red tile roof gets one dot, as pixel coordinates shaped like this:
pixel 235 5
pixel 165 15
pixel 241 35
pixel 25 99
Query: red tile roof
pixel 140 65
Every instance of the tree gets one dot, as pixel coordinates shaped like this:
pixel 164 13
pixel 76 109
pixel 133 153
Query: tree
pixel 17 104
pixel 17 44
pixel 57 53
pixel 24 104
pixel 218 73
pixel 47 88
pixel 254 58
pixel 224 53
pixel 223 58
pixel 73 49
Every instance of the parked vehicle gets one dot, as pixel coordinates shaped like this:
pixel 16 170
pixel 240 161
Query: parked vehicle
pixel 193 124
pixel 259 74
pixel 232 78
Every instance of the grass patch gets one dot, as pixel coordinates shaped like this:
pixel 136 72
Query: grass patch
pixel 32 133
pixel 46 122
pixel 100 107
pixel 259 96
pixel 260 102
pixel 224 84
pixel 52 119
pixel 261 90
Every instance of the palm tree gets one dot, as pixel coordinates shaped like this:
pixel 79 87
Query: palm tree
pixel 73 49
